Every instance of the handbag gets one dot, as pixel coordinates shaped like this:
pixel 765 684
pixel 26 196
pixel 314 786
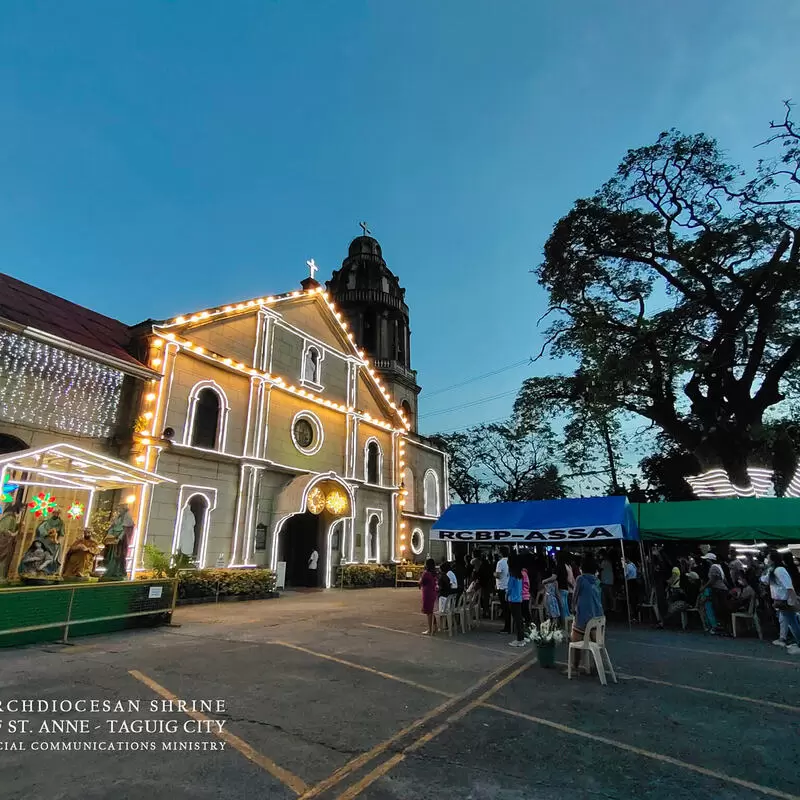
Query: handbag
pixel 791 603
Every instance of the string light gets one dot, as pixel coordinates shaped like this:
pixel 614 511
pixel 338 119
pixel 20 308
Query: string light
pixel 257 302
pixel 717 483
pixel 46 387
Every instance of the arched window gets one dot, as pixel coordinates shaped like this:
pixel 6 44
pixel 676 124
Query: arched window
pixel 312 367
pixel 372 462
pixel 370 332
pixel 408 486
pixel 373 541
pixel 406 408
pixel 207 418
pixel 430 488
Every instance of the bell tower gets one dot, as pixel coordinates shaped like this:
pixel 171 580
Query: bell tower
pixel 371 298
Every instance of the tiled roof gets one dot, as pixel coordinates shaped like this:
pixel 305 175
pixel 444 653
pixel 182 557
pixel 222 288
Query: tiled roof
pixel 26 305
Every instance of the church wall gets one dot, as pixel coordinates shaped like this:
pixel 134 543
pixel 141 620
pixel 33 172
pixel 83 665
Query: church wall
pixel 280 447
pixel 189 470
pixel 234 338
pixel 310 316
pixel 188 372
pixel 365 433
pixel 287 360
pixel 366 401
pixel 367 499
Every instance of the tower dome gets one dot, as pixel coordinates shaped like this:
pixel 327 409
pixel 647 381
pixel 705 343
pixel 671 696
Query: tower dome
pixel 370 296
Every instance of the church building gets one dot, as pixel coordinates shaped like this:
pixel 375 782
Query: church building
pixel 286 424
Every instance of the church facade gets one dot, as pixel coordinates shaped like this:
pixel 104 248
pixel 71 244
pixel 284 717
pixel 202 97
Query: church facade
pixel 285 425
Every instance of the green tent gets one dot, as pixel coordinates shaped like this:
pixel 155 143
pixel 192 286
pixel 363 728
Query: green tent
pixel 731 519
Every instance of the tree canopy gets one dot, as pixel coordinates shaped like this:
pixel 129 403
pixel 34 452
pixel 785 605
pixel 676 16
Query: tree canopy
pixel 676 287
pixel 502 462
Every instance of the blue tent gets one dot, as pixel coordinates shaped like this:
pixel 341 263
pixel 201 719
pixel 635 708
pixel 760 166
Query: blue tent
pixel 589 520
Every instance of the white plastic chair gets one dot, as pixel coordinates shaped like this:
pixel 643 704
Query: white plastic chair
pixel 597 649
pixel 473 603
pixel 749 614
pixel 445 619
pixel 461 612
pixel 652 605
pixel 495 604
pixel 537 607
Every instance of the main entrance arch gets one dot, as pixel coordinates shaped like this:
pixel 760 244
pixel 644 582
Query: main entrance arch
pixel 315 512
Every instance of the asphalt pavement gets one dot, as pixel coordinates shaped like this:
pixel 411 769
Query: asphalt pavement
pixel 337 694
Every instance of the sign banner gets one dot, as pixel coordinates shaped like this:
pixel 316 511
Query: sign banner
pixel 587 534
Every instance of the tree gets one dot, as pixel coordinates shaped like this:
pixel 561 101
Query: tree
pixel 502 462
pixel 677 288
pixel 467 483
pixel 591 442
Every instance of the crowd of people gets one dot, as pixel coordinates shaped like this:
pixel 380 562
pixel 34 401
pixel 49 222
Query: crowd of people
pixel 570 587
pixel 719 586
pixel 716 586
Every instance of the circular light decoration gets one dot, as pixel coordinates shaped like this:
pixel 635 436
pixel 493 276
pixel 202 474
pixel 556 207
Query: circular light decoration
pixel 75 511
pixel 316 501
pixel 43 505
pixel 417 541
pixel 336 502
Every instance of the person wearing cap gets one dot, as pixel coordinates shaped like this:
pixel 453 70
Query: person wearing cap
pixel 717 592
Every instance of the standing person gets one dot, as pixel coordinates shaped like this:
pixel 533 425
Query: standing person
pixel 526 598
pixel 563 574
pixel 486 581
pixel 784 597
pixel 428 585
pixel 514 598
pixel 501 582
pixel 718 587
pixel 313 561
pixel 632 583
pixel 586 601
pixel 607 581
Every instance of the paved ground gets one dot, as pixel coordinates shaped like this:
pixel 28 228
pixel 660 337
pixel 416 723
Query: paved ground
pixel 337 695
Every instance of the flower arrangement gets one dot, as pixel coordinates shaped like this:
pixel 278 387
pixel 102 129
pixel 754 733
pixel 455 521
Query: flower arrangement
pixel 548 634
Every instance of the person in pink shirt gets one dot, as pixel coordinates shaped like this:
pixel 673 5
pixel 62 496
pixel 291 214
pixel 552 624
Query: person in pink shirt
pixel 526 598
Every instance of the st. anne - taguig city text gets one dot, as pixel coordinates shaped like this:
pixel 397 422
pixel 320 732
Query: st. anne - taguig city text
pixel 87 724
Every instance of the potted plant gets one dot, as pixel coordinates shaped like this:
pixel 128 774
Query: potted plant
pixel 546 636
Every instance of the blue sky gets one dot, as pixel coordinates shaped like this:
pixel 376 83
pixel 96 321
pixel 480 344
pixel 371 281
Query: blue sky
pixel 161 157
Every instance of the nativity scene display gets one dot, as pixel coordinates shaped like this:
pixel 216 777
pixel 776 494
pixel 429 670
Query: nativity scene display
pixel 57 550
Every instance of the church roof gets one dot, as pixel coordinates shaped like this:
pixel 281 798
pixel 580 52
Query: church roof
pixel 169 329
pixel 28 307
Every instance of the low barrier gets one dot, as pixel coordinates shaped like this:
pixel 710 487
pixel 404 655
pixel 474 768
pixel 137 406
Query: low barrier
pixel 30 614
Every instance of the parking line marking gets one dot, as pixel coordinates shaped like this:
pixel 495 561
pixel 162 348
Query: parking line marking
pixel 645 753
pixel 711 652
pixel 297 785
pixel 357 788
pixel 739 697
pixel 359 761
pixel 353 664
pixel 434 639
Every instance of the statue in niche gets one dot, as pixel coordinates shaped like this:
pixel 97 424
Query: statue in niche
pixel 80 557
pixel 9 528
pixel 117 541
pixel 44 554
pixel 187 534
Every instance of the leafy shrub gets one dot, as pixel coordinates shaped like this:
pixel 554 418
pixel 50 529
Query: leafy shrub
pixel 416 571
pixel 161 564
pixel 209 582
pixel 365 575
